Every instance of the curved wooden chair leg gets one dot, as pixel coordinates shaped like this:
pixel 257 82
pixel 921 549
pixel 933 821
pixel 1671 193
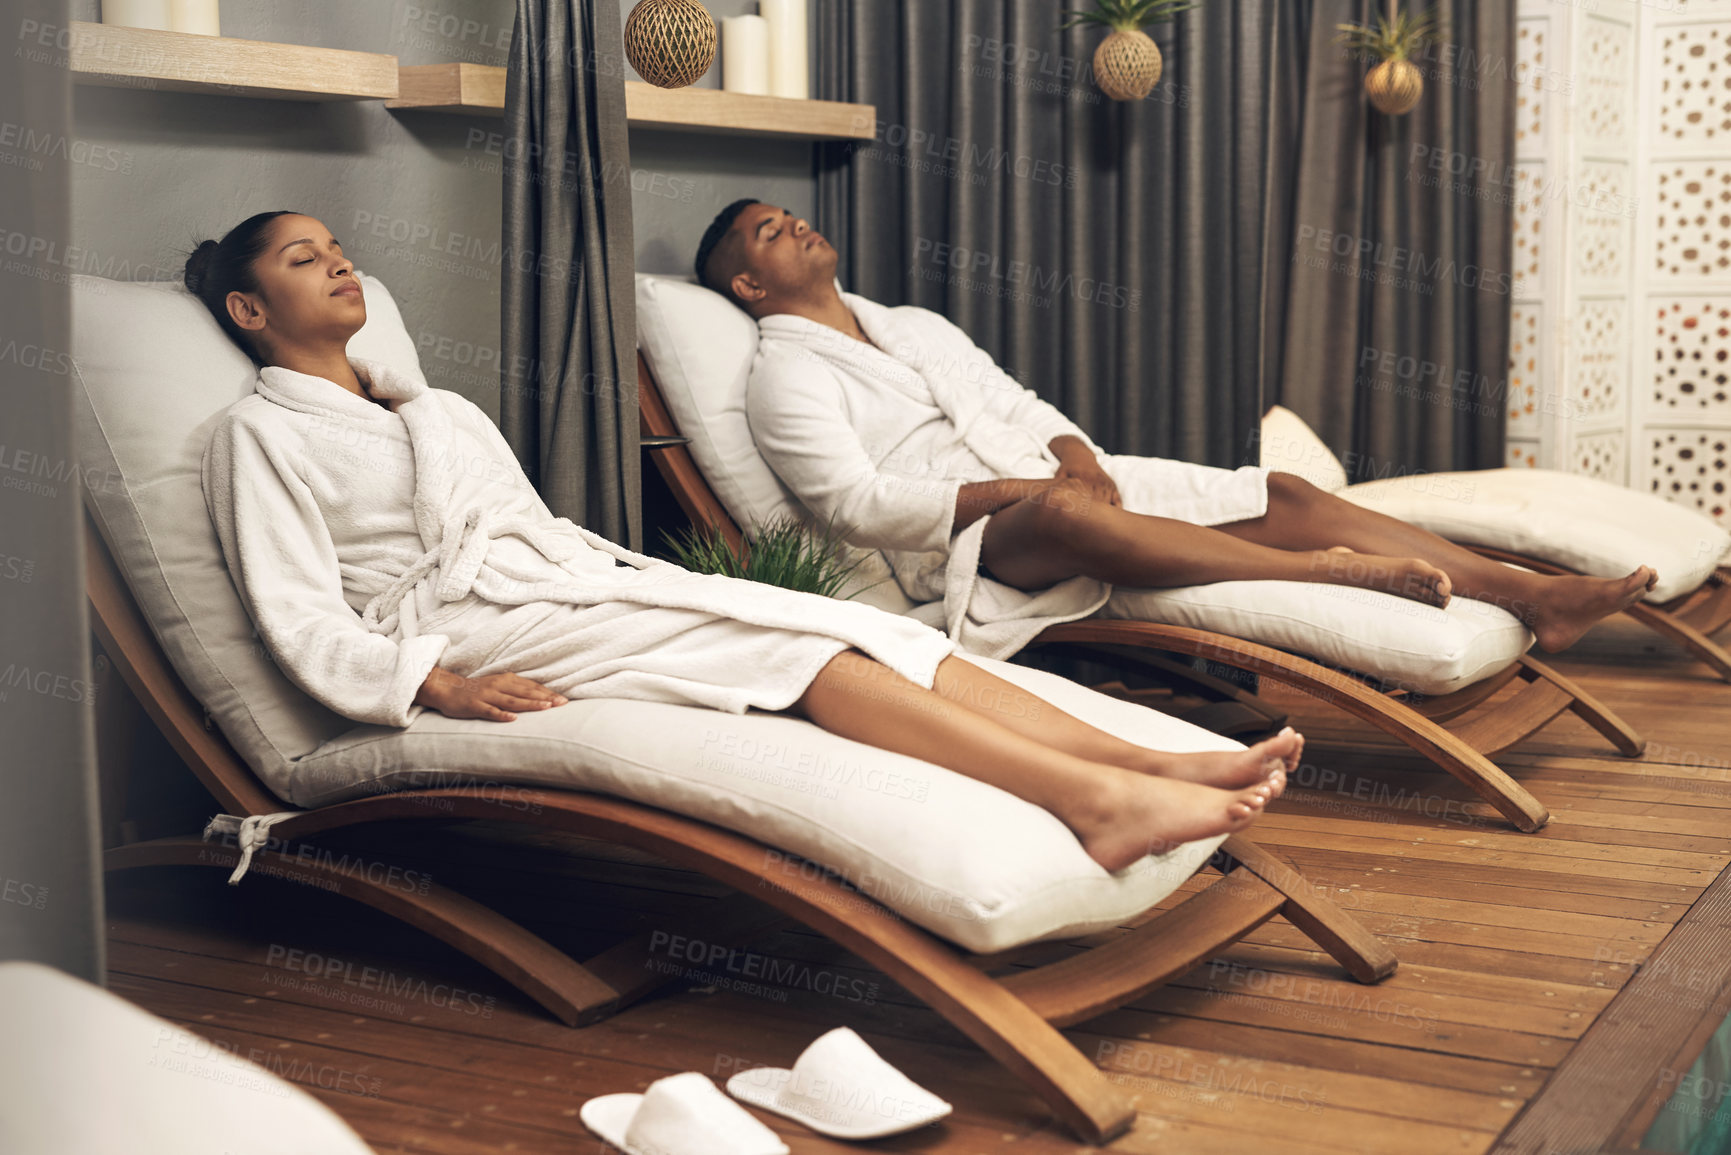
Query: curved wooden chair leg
pixel 1691 639
pixel 938 974
pixel 927 967
pixel 1708 610
pixel 1590 710
pixel 1313 912
pixel 1443 748
pixel 523 959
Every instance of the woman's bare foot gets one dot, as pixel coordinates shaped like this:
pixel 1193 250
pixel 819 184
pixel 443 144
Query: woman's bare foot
pixel 1406 577
pixel 1573 604
pixel 1233 769
pixel 1139 815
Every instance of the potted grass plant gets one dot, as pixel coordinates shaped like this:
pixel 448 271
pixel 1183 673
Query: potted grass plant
pixel 785 552
pixel 1127 64
pixel 1395 84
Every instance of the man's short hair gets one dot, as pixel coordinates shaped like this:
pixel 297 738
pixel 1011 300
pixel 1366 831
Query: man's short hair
pixel 712 238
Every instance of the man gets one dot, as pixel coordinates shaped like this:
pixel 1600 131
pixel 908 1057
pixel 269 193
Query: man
pixel 892 425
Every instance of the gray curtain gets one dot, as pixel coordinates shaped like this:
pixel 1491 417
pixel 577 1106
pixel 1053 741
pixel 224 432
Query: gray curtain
pixel 1126 261
pixel 568 388
pixel 1396 346
pixel 50 864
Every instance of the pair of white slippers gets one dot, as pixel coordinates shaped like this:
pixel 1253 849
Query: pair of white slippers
pixel 838 1087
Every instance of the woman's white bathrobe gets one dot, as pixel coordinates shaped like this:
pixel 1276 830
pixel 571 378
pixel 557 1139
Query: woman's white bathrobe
pixel 370 545
pixel 878 439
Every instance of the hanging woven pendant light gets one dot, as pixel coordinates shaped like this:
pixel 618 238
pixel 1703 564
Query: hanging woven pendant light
pixel 670 42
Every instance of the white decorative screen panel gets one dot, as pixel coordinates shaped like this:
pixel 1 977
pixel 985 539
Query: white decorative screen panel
pixel 1692 359
pixel 1600 455
pixel 1525 376
pixel 1602 230
pixel 1533 73
pixel 1693 102
pixel 1523 454
pixel 1529 229
pixel 1606 85
pixel 1692 219
pixel 1689 466
pixel 1597 369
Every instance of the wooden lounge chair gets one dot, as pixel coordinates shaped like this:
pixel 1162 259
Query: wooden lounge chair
pixel 1459 731
pixel 148 543
pixel 1014 1018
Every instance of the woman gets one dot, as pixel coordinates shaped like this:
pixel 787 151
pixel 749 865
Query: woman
pixel 395 558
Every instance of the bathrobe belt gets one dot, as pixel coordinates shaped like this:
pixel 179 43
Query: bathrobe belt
pixel 455 563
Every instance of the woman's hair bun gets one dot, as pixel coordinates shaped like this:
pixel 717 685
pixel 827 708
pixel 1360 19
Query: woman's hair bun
pixel 217 268
pixel 198 265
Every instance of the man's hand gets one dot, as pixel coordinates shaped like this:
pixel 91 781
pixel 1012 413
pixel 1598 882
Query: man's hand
pixel 1077 462
pixel 492 698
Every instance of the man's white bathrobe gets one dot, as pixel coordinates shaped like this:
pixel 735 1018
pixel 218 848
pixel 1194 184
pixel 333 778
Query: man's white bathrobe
pixel 371 544
pixel 878 439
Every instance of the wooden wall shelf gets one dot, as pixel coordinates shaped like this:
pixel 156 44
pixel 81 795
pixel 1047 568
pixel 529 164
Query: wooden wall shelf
pixel 117 57
pixel 112 56
pixel 479 90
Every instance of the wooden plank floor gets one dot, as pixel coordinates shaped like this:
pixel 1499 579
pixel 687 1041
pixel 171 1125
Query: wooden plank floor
pixel 1510 946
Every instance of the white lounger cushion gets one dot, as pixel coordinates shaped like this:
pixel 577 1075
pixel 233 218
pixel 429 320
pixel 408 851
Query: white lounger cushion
pixel 965 860
pixel 1416 647
pixel 84 1072
pixel 968 861
pixel 1582 523
pixel 701 349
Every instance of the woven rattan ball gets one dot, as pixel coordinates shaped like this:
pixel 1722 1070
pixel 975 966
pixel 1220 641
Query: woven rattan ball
pixel 1394 86
pixel 670 42
pixel 1127 65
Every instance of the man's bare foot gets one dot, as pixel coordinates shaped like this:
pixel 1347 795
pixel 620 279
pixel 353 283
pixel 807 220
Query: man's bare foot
pixel 1146 815
pixel 1406 577
pixel 1573 604
pixel 1234 769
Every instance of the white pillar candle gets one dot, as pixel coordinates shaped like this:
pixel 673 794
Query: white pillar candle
pixel 197 16
pixel 789 70
pixel 137 13
pixel 745 55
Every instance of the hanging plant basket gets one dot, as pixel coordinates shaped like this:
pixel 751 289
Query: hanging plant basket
pixel 1395 85
pixel 670 42
pixel 1127 64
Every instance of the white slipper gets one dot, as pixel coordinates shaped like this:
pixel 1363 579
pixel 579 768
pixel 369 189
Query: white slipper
pixel 680 1115
pixel 841 1087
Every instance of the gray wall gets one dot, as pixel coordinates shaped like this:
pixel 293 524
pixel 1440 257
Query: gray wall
pixel 414 197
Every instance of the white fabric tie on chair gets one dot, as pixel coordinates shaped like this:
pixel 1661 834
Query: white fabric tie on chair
pixel 250 833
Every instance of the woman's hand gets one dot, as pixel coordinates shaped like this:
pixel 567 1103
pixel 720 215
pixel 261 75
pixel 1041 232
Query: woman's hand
pixel 1077 462
pixel 492 698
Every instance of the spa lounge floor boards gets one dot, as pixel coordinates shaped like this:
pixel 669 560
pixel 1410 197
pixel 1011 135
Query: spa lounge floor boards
pixel 1511 947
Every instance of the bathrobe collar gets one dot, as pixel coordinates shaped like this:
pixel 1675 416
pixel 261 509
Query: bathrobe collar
pixel 909 351
pixel 312 394
pixel 428 425
pixel 884 355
